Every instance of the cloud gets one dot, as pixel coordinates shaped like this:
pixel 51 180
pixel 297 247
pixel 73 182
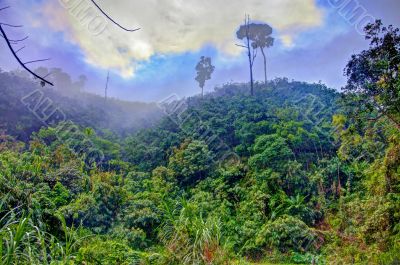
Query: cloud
pixel 287 40
pixel 171 26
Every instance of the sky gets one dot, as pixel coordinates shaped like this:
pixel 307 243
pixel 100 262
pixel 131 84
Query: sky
pixel 313 40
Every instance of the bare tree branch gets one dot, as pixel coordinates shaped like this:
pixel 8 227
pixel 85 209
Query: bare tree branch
pixel 48 74
pixel 10 25
pixel 241 46
pixel 19 40
pixel 15 41
pixel 36 61
pixel 11 42
pixel 20 49
pixel 4 8
pixel 43 80
pixel 112 20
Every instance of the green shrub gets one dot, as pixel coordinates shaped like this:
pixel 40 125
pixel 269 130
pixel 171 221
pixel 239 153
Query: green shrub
pixel 287 233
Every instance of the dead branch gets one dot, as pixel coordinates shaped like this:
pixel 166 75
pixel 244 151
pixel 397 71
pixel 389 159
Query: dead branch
pixel 36 61
pixel 20 49
pixel 14 53
pixel 241 46
pixel 14 41
pixel 112 20
pixel 10 25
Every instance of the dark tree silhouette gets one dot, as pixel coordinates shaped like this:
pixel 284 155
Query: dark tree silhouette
pixel 373 75
pixel 261 37
pixel 11 43
pixel 244 33
pixel 204 70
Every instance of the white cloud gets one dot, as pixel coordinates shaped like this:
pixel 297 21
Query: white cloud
pixel 287 40
pixel 175 26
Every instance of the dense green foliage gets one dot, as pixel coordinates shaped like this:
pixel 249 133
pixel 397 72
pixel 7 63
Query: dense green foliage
pixel 373 74
pixel 287 176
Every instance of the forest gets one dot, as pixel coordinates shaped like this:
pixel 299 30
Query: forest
pixel 272 172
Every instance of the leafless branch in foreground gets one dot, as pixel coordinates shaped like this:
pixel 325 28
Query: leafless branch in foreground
pixel 15 41
pixel 112 20
pixel 9 43
pixel 20 49
pixel 36 61
pixel 10 25
pixel 3 8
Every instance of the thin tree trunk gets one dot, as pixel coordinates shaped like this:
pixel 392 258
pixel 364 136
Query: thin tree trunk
pixel 247 23
pixel 202 92
pixel 251 67
pixel 106 88
pixel 265 65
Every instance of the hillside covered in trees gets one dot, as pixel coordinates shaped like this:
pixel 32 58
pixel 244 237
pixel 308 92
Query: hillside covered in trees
pixel 309 184
pixel 25 106
pixel 272 172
